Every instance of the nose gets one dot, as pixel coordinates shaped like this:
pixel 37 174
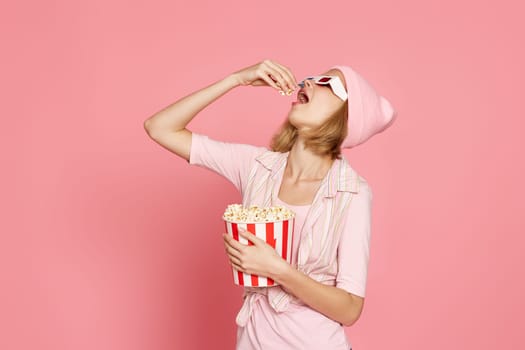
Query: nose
pixel 306 82
pixel 309 84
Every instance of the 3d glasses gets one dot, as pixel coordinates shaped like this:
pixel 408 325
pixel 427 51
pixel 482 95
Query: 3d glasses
pixel 333 81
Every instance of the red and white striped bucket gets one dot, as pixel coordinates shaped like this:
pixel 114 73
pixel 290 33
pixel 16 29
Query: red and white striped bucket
pixel 278 234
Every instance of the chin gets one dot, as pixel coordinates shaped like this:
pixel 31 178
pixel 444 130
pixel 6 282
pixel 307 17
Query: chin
pixel 291 121
pixel 299 124
pixel 294 119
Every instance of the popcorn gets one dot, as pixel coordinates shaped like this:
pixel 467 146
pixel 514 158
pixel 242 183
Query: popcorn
pixel 254 213
pixel 273 225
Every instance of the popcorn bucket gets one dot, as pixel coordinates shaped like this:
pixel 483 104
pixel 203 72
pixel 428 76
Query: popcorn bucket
pixel 278 234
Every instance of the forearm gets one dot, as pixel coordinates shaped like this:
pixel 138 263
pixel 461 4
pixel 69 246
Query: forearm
pixel 177 115
pixel 333 302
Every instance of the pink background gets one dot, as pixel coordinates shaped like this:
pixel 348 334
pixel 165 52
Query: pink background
pixel 109 241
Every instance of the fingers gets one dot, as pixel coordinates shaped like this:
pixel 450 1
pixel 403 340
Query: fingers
pixel 279 81
pixel 285 74
pixel 233 247
pixel 249 236
pixel 279 77
pixel 233 254
pixel 236 263
pixel 265 74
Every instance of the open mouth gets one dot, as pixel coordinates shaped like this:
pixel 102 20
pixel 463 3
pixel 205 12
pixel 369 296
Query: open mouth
pixel 302 98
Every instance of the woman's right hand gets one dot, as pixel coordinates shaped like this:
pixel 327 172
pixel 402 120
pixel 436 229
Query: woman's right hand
pixel 268 73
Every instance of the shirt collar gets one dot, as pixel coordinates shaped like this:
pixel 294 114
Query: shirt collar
pixel 340 178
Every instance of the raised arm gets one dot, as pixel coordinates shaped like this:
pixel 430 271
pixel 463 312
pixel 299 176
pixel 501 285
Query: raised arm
pixel 168 126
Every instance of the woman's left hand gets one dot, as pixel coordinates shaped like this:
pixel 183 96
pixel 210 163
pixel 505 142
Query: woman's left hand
pixel 258 259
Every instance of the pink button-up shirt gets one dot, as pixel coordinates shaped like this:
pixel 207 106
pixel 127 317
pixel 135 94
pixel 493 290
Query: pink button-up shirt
pixel 334 242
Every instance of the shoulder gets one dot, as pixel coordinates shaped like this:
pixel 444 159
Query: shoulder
pixel 205 139
pixel 361 202
pixel 203 144
pixel 365 190
pixel 359 189
pixel 354 181
pixel 269 158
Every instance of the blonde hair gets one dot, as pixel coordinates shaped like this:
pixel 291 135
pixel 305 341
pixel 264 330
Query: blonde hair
pixel 324 140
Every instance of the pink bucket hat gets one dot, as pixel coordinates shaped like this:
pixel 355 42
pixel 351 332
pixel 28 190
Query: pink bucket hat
pixel 368 112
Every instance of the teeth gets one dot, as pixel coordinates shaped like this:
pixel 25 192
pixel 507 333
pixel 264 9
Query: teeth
pixel 303 98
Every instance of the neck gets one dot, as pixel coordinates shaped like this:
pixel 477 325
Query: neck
pixel 303 164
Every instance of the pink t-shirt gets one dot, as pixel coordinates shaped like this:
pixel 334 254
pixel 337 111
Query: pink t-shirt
pixel 300 327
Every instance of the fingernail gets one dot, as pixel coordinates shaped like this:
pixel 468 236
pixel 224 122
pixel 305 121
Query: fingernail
pixel 281 92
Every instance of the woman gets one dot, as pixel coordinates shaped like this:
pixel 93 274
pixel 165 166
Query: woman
pixel 323 289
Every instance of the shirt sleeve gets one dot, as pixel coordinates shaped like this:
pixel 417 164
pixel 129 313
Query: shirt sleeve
pixel 354 246
pixel 233 161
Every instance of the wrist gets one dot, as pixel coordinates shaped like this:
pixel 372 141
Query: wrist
pixel 281 271
pixel 232 80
